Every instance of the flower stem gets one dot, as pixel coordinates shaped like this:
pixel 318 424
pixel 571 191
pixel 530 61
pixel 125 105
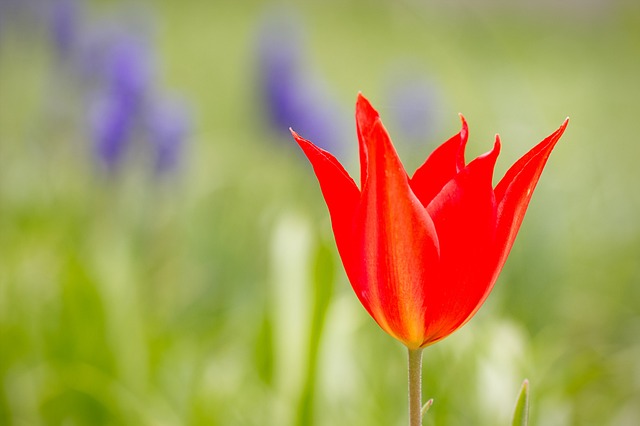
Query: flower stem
pixel 415 387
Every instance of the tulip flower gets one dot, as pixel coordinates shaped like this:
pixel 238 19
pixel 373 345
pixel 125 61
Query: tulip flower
pixel 422 253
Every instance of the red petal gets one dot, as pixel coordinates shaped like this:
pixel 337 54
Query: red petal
pixel 514 192
pixel 441 166
pixel 366 116
pixel 340 193
pixel 464 214
pixel 398 248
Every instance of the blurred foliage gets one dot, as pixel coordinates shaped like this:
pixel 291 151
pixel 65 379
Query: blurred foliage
pixel 521 411
pixel 214 295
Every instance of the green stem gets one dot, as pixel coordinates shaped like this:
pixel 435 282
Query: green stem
pixel 415 387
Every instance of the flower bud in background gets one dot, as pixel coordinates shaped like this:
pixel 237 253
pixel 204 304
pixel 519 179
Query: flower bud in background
pixel 279 57
pixel 65 16
pixel 412 104
pixel 112 123
pixel 291 95
pixel 128 75
pixel 104 70
pixel 167 127
pixel 124 85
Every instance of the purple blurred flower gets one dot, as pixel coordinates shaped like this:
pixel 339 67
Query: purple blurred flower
pixel 111 67
pixel 291 95
pixel 125 82
pixel 128 70
pixel 279 78
pixel 116 56
pixel 65 15
pixel 167 125
pixel 112 126
pixel 413 103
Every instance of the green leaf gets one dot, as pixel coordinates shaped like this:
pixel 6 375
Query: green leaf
pixel 323 277
pixel 521 412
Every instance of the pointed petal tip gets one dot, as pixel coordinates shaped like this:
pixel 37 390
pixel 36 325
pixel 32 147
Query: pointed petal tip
pixel 299 139
pixel 495 151
pixel 295 135
pixel 363 106
pixel 464 131
pixel 555 136
pixel 562 128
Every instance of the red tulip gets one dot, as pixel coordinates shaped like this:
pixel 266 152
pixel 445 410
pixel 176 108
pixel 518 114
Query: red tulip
pixel 423 253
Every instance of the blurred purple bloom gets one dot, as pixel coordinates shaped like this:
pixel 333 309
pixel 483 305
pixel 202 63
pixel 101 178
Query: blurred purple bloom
pixel 128 70
pixel 65 15
pixel 93 53
pixel 413 106
pixel 115 56
pixel 291 96
pixel 167 125
pixel 279 58
pixel 111 66
pixel 112 125
pixel 125 81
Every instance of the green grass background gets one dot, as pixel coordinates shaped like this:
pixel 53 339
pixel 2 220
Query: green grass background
pixel 216 297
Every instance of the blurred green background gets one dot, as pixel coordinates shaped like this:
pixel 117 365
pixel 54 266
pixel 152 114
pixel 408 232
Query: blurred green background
pixel 210 293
